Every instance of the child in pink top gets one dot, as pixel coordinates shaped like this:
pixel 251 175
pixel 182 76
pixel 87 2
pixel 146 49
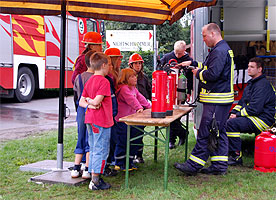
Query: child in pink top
pixel 130 101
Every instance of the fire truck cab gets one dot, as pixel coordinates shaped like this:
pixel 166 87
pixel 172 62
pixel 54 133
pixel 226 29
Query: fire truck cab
pixel 30 52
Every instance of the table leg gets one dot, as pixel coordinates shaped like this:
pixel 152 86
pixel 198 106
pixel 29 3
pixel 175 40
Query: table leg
pixel 127 155
pixel 186 143
pixel 166 158
pixel 155 144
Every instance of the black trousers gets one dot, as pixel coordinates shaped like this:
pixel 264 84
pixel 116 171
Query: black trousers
pixel 177 130
pixel 200 153
pixel 236 126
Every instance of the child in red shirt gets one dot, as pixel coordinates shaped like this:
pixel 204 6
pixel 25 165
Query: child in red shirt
pixel 82 147
pixel 96 94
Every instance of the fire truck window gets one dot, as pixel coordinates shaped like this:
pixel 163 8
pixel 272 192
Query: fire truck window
pixel 92 26
pixel 102 28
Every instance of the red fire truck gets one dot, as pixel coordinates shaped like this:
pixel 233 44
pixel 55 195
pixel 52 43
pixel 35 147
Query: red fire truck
pixel 30 52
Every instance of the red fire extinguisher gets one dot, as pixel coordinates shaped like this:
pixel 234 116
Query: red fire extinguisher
pixel 170 97
pixel 265 152
pixel 174 86
pixel 159 93
pixel 174 71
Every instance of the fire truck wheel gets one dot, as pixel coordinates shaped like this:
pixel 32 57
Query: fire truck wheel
pixel 25 85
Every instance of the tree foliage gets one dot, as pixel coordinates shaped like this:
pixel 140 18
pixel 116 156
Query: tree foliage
pixel 166 35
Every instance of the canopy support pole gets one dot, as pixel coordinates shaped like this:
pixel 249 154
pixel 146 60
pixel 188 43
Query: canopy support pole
pixel 61 86
pixel 154 47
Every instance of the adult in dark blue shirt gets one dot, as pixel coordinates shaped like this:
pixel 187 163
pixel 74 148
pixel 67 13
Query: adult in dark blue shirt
pixel 180 55
pixel 254 112
pixel 215 77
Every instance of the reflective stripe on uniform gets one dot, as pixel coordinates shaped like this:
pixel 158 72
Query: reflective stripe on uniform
pixel 275 95
pixel 124 156
pixel 141 149
pixel 201 72
pixel 216 97
pixel 233 134
pixel 201 76
pixel 232 70
pixel 243 112
pixel 197 160
pixel 199 65
pixel 260 124
pixel 227 97
pixel 237 108
pixel 219 158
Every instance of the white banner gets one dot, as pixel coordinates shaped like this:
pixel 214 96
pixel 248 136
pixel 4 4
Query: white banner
pixel 130 40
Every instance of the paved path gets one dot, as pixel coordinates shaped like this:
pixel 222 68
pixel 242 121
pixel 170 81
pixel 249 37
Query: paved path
pixel 18 120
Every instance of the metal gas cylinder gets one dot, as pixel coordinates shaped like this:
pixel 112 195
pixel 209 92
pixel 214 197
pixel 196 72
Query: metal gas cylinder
pixel 174 73
pixel 182 89
pixel 174 87
pixel 265 152
pixel 170 97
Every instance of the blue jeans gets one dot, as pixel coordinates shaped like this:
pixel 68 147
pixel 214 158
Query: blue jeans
pixel 82 146
pixel 99 142
pixel 113 142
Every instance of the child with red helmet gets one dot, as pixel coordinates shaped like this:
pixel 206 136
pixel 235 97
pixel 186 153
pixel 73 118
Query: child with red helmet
pixel 92 41
pixel 115 56
pixel 116 60
pixel 136 62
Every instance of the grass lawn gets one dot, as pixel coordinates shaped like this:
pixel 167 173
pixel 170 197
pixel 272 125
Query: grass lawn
pixel 146 183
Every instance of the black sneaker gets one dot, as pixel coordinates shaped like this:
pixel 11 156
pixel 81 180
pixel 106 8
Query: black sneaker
pixel 76 171
pixel 235 160
pixel 110 172
pixel 100 186
pixel 183 167
pixel 212 171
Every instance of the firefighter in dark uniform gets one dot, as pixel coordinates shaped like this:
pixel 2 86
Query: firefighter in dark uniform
pixel 254 112
pixel 217 95
pixel 179 54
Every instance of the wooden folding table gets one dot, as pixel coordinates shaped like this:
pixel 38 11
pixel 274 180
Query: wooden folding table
pixel 144 119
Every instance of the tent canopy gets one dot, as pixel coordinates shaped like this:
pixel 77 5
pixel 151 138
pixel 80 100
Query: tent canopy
pixel 137 11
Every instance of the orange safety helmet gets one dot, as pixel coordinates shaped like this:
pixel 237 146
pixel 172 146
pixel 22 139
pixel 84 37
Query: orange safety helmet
pixel 113 52
pixel 92 38
pixel 135 58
